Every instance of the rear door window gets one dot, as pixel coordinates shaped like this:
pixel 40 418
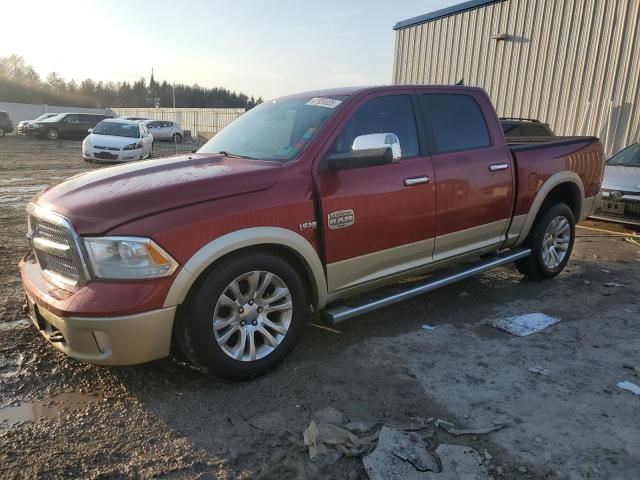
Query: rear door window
pixel 71 119
pixel 455 122
pixel 388 114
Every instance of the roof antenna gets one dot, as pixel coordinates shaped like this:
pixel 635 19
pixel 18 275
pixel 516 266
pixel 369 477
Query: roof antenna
pixel 460 82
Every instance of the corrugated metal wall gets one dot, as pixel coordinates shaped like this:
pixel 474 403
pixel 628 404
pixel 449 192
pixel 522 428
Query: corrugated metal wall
pixel 572 63
pixel 197 120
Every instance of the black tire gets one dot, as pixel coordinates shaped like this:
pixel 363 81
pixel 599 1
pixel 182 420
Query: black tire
pixel 52 134
pixel 1 132
pixel 199 334
pixel 177 138
pixel 535 266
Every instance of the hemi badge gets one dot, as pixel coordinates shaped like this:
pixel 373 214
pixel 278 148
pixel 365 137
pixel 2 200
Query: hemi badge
pixel 341 219
pixel 308 225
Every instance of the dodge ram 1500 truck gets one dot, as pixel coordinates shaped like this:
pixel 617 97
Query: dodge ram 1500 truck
pixel 298 204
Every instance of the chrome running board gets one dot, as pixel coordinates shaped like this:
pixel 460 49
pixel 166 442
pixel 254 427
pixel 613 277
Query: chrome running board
pixel 341 313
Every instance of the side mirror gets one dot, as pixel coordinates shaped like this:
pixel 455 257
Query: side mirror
pixel 370 157
pixel 90 130
pixel 378 140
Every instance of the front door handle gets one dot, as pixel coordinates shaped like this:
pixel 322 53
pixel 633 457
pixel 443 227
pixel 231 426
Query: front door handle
pixel 409 182
pixel 496 167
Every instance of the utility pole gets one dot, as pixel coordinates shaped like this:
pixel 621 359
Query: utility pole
pixel 174 95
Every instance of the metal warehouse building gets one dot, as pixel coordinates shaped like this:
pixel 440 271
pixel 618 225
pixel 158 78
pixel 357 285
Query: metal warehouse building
pixel 572 63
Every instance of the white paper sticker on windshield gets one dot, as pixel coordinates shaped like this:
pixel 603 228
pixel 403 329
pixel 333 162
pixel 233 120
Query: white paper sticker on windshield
pixel 324 102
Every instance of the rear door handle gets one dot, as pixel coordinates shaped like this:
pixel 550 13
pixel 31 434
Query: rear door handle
pixel 409 182
pixel 496 167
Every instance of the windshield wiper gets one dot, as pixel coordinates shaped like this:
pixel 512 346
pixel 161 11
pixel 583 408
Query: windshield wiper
pixel 234 155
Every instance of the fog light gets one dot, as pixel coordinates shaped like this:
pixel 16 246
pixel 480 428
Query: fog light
pixel 103 341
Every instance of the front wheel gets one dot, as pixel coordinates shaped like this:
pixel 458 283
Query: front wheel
pixel 52 134
pixel 248 315
pixel 551 243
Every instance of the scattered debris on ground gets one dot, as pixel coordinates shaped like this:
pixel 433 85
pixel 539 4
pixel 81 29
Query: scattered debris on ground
pixel 539 370
pixel 523 325
pixel 451 428
pixel 400 455
pixel 630 386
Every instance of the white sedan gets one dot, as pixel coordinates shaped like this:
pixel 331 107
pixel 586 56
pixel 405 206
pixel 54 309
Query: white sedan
pixel 117 140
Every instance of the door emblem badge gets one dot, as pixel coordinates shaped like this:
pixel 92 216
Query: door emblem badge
pixel 341 219
pixel 308 225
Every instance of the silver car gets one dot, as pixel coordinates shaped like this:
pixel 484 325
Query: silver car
pixel 621 188
pixel 165 130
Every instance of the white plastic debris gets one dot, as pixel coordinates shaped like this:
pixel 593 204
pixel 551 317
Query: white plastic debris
pixel 613 285
pixel 630 386
pixel 426 326
pixel 539 370
pixel 523 325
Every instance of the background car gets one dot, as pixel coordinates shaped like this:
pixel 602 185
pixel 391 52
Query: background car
pixel 22 125
pixel 621 187
pixel 135 118
pixel 525 127
pixel 165 130
pixel 6 126
pixel 65 125
pixel 118 140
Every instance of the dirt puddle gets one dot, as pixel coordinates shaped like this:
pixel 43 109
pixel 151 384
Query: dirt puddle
pixel 45 408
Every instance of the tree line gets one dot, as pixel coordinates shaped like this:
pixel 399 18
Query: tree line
pixel 20 83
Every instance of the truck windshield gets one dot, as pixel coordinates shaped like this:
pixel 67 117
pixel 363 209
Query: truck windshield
pixel 629 157
pixel 276 130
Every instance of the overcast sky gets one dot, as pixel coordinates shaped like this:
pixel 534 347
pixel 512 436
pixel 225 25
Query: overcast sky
pixel 261 47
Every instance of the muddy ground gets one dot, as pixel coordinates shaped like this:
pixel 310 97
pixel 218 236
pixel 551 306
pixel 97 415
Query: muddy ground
pixel 60 418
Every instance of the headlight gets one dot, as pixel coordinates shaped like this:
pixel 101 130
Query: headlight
pixel 87 142
pixel 128 257
pixel 133 146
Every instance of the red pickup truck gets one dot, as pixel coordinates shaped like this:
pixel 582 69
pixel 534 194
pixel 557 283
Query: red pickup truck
pixel 299 203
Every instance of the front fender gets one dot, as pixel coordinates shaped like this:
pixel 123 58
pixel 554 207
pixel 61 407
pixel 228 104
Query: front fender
pixel 249 237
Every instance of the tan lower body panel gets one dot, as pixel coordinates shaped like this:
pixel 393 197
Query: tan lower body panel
pixel 470 239
pixel 352 272
pixel 125 340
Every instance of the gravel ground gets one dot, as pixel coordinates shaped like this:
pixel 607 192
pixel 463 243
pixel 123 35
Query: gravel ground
pixel 62 418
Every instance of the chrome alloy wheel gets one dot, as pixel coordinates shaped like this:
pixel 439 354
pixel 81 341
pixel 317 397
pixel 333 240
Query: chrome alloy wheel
pixel 556 242
pixel 252 316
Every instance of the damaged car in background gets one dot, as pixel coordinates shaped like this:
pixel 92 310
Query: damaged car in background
pixel 621 188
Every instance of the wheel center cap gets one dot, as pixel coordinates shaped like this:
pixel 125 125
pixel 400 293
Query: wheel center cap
pixel 249 312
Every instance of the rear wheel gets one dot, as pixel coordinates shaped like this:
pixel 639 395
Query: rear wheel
pixel 248 314
pixel 551 243
pixel 52 134
pixel 177 138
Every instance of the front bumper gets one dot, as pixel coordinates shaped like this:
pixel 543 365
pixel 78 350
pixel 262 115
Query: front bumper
pixel 95 155
pixel 125 340
pixel 138 332
pixel 622 209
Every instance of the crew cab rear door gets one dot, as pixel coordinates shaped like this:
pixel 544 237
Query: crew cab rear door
pixel 378 220
pixel 473 171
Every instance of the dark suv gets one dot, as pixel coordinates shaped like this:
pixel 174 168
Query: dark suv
pixel 65 125
pixel 525 127
pixel 5 123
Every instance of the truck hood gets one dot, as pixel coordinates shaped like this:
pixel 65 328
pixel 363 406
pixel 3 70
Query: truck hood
pixel 100 200
pixel 625 179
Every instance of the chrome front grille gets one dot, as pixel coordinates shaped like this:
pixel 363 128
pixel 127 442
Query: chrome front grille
pixel 115 149
pixel 55 247
pixel 61 266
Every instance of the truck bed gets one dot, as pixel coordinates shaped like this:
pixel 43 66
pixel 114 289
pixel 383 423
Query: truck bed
pixel 538 158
